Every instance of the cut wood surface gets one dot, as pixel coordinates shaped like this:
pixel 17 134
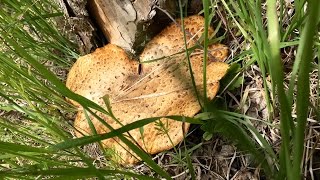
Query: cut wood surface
pixel 125 23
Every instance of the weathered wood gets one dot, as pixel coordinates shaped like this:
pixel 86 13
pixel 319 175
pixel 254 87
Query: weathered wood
pixel 126 22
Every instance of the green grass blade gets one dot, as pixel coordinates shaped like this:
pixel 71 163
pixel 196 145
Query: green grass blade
pixel 74 173
pixel 21 130
pixel 59 86
pixel 205 51
pixel 278 77
pixel 69 143
pixel 303 87
pixel 318 99
pixel 145 157
pixel 22 148
pixel 98 137
pixel 231 128
pixel 187 52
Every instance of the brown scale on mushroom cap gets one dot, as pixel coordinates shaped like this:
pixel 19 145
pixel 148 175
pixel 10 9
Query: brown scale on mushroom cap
pixel 163 87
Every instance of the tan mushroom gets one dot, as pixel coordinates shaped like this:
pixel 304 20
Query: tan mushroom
pixel 162 88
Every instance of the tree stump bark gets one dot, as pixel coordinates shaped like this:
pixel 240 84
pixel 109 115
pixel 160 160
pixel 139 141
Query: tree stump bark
pixel 77 25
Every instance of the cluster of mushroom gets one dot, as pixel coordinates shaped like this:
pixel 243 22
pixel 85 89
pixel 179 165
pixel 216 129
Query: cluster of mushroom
pixel 159 85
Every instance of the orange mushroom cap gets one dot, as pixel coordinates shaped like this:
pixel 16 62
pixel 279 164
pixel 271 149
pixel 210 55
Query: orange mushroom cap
pixel 162 88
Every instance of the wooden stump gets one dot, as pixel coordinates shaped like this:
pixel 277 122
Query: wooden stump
pixel 126 22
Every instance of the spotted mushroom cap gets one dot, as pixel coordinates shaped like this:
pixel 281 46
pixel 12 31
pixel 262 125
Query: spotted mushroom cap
pixel 162 87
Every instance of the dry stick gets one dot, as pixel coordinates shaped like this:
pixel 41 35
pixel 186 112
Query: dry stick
pixel 231 162
pixel 306 154
pixel 313 149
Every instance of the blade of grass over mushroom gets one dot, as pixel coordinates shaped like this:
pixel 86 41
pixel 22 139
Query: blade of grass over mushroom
pixel 303 85
pixel 69 143
pixel 106 101
pixel 188 56
pixel 145 157
pixel 93 131
pixel 205 51
pixel 168 58
pixel 278 77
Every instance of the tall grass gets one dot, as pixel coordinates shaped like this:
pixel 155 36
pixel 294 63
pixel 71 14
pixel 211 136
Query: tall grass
pixel 35 143
pixel 267 54
pixel 305 49
pixel 292 158
pixel 30 39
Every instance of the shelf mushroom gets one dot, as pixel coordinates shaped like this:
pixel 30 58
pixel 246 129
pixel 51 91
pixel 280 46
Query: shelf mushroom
pixel 160 85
